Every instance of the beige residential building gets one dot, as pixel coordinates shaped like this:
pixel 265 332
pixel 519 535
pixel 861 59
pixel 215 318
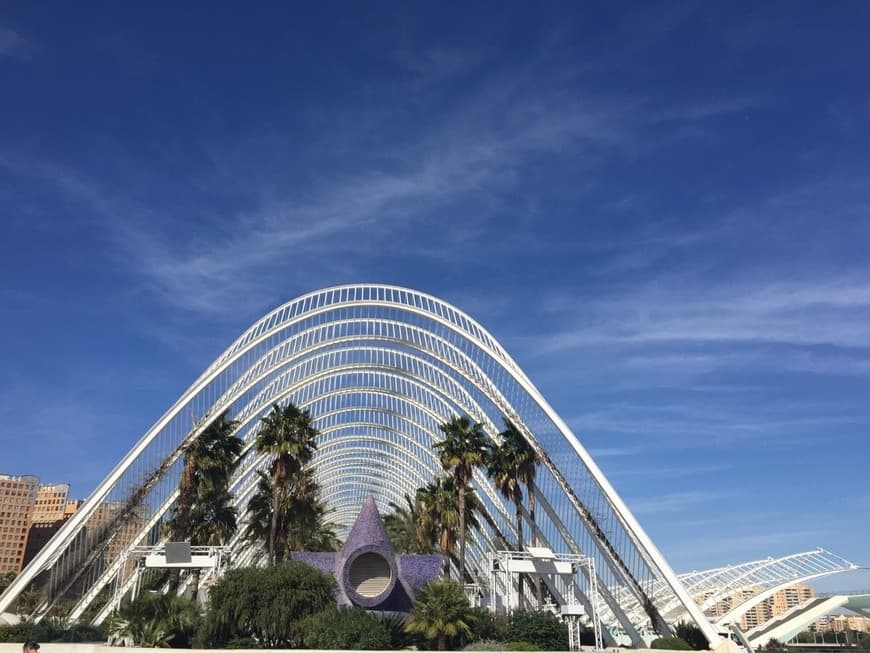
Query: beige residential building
pixel 51 502
pixel 49 515
pixel 17 499
pixel 781 602
pixel 839 623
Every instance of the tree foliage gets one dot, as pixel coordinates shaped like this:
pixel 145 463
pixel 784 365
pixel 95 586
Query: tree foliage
pixel 50 630
pixel 692 635
pixel 346 628
pixel 440 611
pixel 156 620
pixel 288 434
pixel 407 528
pixel 266 603
pixel 670 644
pixel 488 626
pixel 208 462
pixel 538 627
pixel 302 519
pixel 204 514
pixel 463 449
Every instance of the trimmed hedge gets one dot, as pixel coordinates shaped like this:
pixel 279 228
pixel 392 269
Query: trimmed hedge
pixel 670 644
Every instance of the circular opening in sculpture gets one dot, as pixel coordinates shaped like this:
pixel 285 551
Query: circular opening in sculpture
pixel 369 575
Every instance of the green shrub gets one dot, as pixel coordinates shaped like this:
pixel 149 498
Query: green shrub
pixel 50 631
pixel 522 646
pixel 441 613
pixel 239 642
pixel 152 620
pixel 20 632
pixel 486 625
pixel 692 635
pixel 395 625
pixel 670 644
pixel 346 628
pixel 266 603
pixel 485 645
pixel 543 629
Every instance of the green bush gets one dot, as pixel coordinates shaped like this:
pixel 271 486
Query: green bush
pixel 692 635
pixel 266 603
pixel 49 631
pixel 395 625
pixel 152 620
pixel 441 614
pixel 486 625
pixel 485 645
pixel 670 644
pixel 239 642
pixel 522 646
pixel 346 628
pixel 20 632
pixel 543 629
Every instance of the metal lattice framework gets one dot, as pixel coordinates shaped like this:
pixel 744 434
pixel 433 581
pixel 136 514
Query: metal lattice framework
pixel 379 368
pixel 745 585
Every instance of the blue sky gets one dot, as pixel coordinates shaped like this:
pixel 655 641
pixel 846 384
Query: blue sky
pixel 661 210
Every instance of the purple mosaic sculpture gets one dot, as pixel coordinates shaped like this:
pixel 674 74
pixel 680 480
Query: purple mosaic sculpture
pixel 368 572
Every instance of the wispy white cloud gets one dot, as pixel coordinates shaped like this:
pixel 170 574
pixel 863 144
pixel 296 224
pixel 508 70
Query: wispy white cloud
pixel 475 151
pixel 15 46
pixel 696 111
pixel 719 544
pixel 828 312
pixel 676 501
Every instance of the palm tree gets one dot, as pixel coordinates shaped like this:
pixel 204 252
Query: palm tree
pixel 213 519
pixel 525 461
pixel 501 467
pixel 259 512
pixel 438 505
pixel 289 435
pixel 306 518
pixel 156 620
pixel 406 528
pixel 441 610
pixel 439 514
pixel 208 461
pixel 464 447
pixel 301 520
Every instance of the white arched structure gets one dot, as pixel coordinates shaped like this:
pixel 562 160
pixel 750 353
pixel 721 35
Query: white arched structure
pixel 379 368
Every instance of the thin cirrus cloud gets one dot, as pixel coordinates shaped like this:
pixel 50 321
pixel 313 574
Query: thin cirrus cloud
pixel 776 312
pixel 469 155
pixel 676 501
pixel 15 46
pixel 351 212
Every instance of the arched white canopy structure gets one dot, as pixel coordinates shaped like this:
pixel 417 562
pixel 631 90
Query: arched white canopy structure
pixel 379 368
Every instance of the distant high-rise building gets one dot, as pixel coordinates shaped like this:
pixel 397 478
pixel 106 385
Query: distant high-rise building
pixel 17 500
pixel 50 504
pixel 53 507
pixel 773 606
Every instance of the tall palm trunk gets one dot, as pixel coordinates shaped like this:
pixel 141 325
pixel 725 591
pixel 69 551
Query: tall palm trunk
pixel 445 550
pixel 520 546
pixel 461 533
pixel 278 483
pixel 181 522
pixel 194 583
pixel 531 486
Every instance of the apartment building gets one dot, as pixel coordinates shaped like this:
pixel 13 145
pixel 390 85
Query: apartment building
pixel 50 504
pixel 842 622
pixel 17 500
pixel 781 602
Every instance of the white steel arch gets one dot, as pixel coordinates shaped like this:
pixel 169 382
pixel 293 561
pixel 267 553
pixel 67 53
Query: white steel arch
pixel 374 350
